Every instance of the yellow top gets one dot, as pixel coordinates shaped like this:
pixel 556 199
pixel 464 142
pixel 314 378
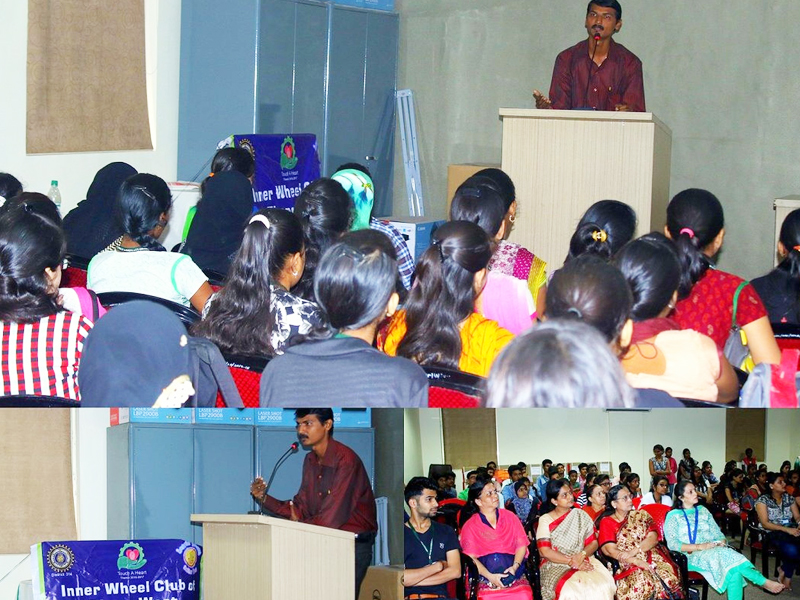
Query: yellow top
pixel 481 341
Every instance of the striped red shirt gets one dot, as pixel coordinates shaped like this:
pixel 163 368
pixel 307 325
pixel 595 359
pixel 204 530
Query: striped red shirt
pixel 41 358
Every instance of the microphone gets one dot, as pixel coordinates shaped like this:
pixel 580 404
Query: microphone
pixel 591 66
pixel 292 449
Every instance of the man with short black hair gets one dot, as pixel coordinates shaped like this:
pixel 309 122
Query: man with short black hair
pixel 514 475
pixel 432 553
pixel 597 73
pixel 541 482
pixel 471 477
pixel 335 490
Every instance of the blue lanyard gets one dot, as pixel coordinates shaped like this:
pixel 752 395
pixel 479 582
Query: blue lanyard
pixel 692 534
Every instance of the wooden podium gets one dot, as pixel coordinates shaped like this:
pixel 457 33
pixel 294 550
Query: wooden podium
pixel 253 556
pixel 563 161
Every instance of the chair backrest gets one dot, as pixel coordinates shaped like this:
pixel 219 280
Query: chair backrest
pixel 445 398
pixel 186 314
pixel 73 277
pixel 246 372
pixel 659 513
pixel 452 389
pixel 215 278
pixel 37 402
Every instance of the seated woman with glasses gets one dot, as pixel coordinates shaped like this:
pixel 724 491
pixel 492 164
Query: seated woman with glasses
pixel 691 529
pixel 496 541
pixel 659 492
pixel 567 542
pixel 630 537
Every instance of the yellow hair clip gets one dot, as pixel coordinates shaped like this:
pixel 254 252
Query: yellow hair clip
pixel 599 236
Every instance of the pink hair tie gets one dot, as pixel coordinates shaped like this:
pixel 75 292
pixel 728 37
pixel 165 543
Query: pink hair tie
pixel 688 232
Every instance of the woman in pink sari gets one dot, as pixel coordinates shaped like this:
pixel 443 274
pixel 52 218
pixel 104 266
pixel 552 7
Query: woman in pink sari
pixel 495 540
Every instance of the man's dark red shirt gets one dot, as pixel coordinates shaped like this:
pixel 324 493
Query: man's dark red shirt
pixel 335 492
pixel 617 81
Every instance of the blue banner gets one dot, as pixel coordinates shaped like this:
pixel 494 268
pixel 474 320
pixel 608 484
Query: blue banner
pixel 117 570
pixel 285 165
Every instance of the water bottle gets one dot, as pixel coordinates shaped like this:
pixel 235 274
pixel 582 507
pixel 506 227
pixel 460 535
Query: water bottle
pixel 55 195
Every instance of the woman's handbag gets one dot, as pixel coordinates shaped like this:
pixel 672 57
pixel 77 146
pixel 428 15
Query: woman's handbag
pixel 736 349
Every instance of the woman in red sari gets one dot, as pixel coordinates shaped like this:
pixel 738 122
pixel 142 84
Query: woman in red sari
pixel 567 542
pixel 495 540
pixel 630 537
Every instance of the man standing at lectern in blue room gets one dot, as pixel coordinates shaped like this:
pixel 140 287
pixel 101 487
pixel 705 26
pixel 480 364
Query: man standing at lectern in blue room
pixel 335 490
pixel 597 73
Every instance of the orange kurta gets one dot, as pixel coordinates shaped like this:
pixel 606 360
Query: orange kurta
pixel 481 341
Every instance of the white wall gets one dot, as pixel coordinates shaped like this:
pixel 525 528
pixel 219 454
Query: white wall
pixel 424 441
pixel 582 435
pixel 75 171
pixel 88 435
pixel 782 437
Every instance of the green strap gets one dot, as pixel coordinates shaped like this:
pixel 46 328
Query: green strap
pixel 174 269
pixel 736 303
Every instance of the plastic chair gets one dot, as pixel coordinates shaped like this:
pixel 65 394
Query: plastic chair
pixel 186 314
pixel 758 540
pixel 37 402
pixel 215 278
pixel 787 336
pixel 74 273
pixel 246 372
pixel 453 389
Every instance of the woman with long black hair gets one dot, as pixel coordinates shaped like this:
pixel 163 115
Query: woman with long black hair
pixel 780 288
pixel 355 289
pixel 42 343
pixel 256 312
pixel 439 325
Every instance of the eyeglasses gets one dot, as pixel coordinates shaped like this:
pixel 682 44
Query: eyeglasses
pixel 490 493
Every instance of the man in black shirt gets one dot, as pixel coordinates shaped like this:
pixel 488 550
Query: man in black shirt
pixel 432 556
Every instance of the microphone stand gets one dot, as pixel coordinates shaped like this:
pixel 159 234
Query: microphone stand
pixel 292 449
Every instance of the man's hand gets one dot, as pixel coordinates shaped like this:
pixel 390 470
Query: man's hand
pixel 295 516
pixel 622 107
pixel 258 488
pixel 542 101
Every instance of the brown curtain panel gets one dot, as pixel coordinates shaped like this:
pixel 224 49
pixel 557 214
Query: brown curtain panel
pixel 86 76
pixel 470 436
pixel 35 478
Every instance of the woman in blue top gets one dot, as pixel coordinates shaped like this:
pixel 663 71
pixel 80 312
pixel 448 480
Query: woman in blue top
pixel 690 529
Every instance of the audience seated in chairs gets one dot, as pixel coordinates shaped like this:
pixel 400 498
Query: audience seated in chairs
pixel 355 288
pixel 136 262
pixel 42 343
pixel 222 213
pixel 439 325
pixel 432 557
pixel 507 299
pixel 567 542
pixel 561 363
pixel 495 541
pixel 695 222
pixel 690 529
pixel 91 226
pixel 630 537
pixel 141 355
pixel 683 363
pixel 779 515
pixel 256 312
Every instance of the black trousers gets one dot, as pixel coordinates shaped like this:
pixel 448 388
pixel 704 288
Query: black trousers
pixel 364 543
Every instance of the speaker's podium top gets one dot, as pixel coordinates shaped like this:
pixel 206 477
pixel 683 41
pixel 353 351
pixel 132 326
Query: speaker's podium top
pixel 585 115
pixel 239 519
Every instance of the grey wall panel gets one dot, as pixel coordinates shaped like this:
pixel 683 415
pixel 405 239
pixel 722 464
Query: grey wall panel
pixel 223 470
pixel 271 442
pixel 119 491
pixel 162 480
pixel 217 86
pixel 276 66
pixel 346 88
pixel 310 62
pixel 379 105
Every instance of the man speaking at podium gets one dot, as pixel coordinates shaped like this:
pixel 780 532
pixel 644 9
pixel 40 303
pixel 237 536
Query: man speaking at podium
pixel 597 73
pixel 335 490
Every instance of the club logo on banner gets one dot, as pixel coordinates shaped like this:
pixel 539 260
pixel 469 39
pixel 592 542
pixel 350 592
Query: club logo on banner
pixel 117 570
pixel 285 165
